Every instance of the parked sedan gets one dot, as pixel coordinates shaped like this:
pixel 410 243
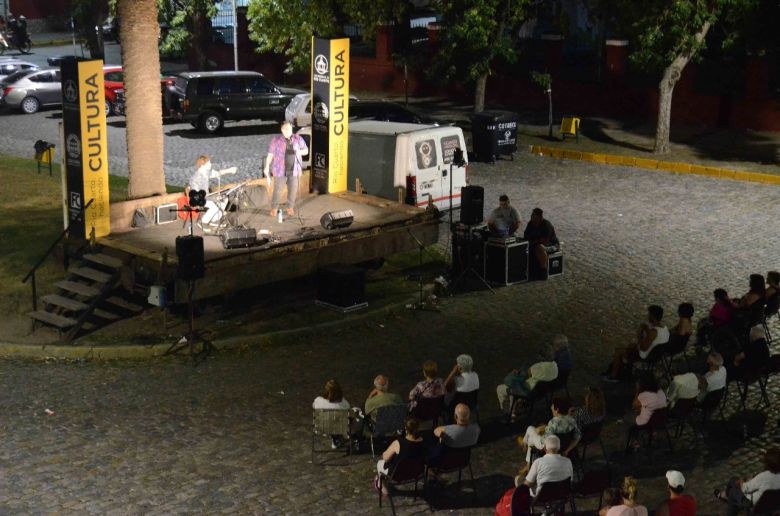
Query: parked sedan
pixel 114 80
pixel 11 65
pixel 298 111
pixel 29 90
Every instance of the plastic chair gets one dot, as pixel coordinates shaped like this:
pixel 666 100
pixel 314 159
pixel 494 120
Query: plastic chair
pixel 682 409
pixel 455 459
pixel 428 409
pixel 592 484
pixel 388 421
pixel 554 496
pixel 591 434
pixel 657 422
pixel 675 348
pixel 330 423
pixel 768 503
pixel 404 472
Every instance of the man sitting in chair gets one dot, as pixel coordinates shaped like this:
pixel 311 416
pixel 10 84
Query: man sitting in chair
pixel 463 433
pixel 379 397
pixel 552 467
pixel 504 220
pixel 540 234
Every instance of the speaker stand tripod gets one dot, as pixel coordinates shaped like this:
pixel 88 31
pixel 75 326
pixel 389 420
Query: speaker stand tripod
pixel 421 304
pixel 469 270
pixel 197 346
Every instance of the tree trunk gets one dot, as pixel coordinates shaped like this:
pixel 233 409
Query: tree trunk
pixel 199 39
pixel 479 93
pixel 141 61
pixel 672 74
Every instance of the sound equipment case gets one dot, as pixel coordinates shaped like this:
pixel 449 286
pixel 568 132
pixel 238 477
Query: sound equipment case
pixel 341 287
pixel 506 264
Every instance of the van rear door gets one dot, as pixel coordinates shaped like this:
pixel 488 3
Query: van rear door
pixel 448 141
pixel 426 163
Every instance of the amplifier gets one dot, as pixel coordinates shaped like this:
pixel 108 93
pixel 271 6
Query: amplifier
pixel 506 264
pixel 238 237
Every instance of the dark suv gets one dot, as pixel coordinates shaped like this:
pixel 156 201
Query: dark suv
pixel 207 99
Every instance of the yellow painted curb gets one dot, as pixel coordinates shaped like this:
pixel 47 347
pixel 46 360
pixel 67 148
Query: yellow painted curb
pixel 652 164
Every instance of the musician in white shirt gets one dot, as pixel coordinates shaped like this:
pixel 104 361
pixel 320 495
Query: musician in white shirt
pixel 204 172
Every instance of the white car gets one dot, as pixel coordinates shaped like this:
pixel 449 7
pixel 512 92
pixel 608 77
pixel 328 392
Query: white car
pixel 298 111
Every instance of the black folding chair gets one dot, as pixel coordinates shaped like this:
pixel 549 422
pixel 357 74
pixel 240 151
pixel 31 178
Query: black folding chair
pixel 708 405
pixel 768 504
pixel 676 348
pixel 387 423
pixel 553 497
pixel 428 409
pixel 470 398
pixel 591 434
pixel 455 459
pixel 404 472
pixel 542 391
pixel 658 422
pixel 682 409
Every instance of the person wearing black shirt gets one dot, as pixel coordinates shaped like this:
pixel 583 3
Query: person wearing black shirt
pixel 540 234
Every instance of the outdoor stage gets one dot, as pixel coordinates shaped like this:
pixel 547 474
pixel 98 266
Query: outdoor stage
pixel 296 247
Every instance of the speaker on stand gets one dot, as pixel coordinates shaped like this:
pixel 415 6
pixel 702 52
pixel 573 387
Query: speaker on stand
pixel 192 267
pixel 472 205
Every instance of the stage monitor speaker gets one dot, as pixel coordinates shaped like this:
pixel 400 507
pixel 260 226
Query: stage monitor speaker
pixel 238 237
pixel 166 213
pixel 341 287
pixel 189 251
pixel 337 219
pixel 472 202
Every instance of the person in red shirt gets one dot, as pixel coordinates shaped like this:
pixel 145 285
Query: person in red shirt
pixel 678 504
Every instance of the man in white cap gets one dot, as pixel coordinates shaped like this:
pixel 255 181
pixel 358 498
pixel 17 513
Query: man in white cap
pixel 678 504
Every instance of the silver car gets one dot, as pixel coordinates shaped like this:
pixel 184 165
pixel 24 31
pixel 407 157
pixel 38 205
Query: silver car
pixel 11 65
pixel 29 90
pixel 298 111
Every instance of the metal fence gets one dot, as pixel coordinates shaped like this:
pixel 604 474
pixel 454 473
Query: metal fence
pixel 224 22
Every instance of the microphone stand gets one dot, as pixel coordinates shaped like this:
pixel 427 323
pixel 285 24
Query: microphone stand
pixel 421 304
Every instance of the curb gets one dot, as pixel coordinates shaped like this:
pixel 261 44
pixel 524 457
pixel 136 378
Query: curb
pixel 653 164
pixel 239 342
pixel 53 43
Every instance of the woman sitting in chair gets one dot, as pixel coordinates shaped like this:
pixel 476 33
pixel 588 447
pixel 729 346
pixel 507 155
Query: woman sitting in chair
pixel 331 398
pixel 750 307
pixel 593 411
pixel 560 424
pixel 741 494
pixel 649 398
pixel 628 507
pixel 772 292
pixel 408 447
pixel 431 387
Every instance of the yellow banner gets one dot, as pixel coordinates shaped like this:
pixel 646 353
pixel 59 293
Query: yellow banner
pixel 338 137
pixel 94 147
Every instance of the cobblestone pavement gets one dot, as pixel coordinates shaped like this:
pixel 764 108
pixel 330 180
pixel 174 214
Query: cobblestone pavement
pixel 232 435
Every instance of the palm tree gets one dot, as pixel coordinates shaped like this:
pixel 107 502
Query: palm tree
pixel 141 60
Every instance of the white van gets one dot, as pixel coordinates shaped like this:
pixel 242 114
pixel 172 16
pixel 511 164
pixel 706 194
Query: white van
pixel 382 154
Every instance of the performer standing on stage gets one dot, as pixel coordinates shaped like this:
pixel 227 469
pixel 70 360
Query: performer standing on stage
pixel 284 155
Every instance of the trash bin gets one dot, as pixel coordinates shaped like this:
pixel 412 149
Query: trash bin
pixel 494 134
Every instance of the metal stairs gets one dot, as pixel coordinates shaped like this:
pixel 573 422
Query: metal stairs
pixel 88 299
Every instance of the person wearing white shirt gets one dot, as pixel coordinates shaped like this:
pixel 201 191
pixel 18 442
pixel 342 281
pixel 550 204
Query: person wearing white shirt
pixel 462 378
pixel 683 387
pixel 715 377
pixel 332 398
pixel 742 493
pixel 552 467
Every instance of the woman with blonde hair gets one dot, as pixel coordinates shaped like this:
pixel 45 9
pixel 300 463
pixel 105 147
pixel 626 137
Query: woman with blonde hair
pixel 629 507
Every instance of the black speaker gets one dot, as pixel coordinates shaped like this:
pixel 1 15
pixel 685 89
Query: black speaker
pixel 189 251
pixel 472 203
pixel 342 287
pixel 337 219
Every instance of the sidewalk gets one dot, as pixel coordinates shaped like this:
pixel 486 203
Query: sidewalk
pixel 47 39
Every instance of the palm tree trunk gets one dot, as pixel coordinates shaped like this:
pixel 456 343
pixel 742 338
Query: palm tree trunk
pixel 141 61
pixel 672 74
pixel 479 93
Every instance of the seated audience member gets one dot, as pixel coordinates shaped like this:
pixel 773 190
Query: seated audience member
pixel 754 355
pixel 462 378
pixel 431 387
pixel 684 326
pixel 552 467
pixel 540 234
pixel 720 316
pixel 715 377
pixel 408 447
pixel 462 434
pixel 683 387
pixel 504 220
pixel 380 397
pixel 650 335
pixel 750 307
pixel 594 410
pixel 629 505
pixel 560 424
pixel 561 353
pixel 678 504
pixel 520 382
pixel 331 398
pixel 741 494
pixel 649 398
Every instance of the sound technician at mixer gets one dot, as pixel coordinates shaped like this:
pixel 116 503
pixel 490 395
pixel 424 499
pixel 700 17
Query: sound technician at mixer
pixel 504 220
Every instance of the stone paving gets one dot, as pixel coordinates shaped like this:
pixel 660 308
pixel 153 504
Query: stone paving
pixel 232 435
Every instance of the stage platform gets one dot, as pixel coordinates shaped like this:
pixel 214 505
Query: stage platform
pixel 296 247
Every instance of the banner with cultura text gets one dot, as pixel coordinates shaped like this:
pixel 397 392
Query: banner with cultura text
pixel 86 150
pixel 330 114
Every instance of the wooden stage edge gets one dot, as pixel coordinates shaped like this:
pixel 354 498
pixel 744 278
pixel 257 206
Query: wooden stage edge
pixel 300 245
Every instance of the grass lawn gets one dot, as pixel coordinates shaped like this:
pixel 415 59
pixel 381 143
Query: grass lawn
pixel 30 220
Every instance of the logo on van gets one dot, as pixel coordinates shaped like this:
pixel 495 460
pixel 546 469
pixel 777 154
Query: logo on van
pixel 321 64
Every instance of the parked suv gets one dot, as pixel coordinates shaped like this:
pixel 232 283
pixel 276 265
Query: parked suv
pixel 207 99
